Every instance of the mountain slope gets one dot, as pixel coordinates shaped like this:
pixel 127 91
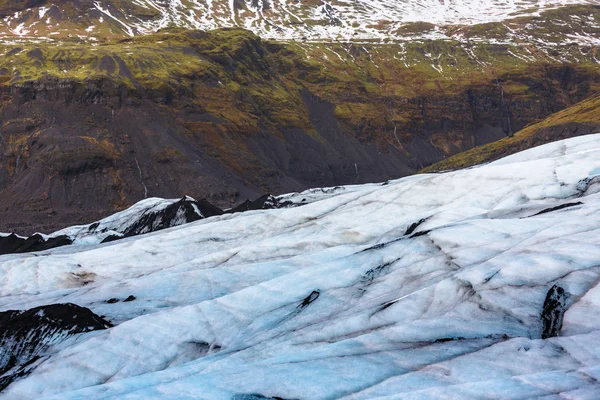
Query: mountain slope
pixel 89 129
pixel 581 119
pixel 94 119
pixel 279 19
pixel 453 284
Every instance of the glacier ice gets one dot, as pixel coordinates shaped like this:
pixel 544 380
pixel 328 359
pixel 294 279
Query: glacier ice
pixel 430 286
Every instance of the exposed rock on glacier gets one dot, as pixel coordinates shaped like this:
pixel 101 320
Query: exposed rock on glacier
pixel 553 312
pixel 17 244
pixel 146 216
pixel 449 285
pixel 265 202
pixel 149 215
pixel 25 336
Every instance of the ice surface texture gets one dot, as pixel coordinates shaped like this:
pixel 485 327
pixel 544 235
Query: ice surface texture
pixel 479 283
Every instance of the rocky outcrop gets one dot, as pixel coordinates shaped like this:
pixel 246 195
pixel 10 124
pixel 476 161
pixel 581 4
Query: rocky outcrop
pixel 138 220
pixel 16 244
pixel 144 217
pixel 553 312
pixel 264 202
pixel 182 212
pixel 25 336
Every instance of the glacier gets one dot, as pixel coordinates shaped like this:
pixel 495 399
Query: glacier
pixel 430 286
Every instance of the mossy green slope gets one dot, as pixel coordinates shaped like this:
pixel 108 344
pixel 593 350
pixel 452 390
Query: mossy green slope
pixel 439 92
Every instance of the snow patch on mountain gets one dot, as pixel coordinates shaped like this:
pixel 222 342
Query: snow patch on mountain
pixel 283 19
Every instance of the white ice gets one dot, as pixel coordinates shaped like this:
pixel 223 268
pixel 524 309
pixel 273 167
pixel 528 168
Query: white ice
pixel 333 300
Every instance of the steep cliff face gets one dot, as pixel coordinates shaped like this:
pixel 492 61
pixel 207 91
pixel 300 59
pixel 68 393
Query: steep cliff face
pixel 223 115
pixel 580 119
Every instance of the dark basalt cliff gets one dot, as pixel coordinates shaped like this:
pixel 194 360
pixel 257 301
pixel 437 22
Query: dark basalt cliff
pixel 580 119
pixel 250 117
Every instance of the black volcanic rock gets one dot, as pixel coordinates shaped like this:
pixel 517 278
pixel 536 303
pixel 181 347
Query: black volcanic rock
pixel 16 244
pixel 553 311
pixel 181 212
pixel 262 203
pixel 26 335
pixel 111 238
pixel 11 243
pixel 314 295
pixel 254 396
pixel 411 229
pixel 38 243
pixel 184 211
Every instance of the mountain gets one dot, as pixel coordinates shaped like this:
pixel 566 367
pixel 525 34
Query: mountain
pixel 90 128
pixel 276 19
pixel 478 283
pixel 105 103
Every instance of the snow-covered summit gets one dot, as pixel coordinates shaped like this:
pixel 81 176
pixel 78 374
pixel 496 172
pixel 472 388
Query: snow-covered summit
pixel 449 285
pixel 280 19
